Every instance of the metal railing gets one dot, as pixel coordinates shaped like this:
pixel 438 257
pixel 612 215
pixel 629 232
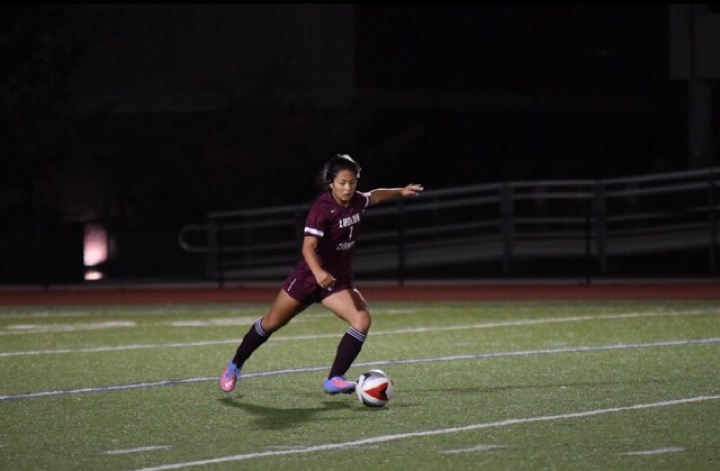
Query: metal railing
pixel 486 230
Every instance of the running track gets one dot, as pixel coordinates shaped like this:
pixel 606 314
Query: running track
pixel 440 291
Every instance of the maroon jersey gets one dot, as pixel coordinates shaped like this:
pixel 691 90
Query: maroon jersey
pixel 337 228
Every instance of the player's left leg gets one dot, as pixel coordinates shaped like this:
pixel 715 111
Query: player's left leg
pixel 350 306
pixel 282 310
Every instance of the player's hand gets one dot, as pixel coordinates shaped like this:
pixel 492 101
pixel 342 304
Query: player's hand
pixel 325 280
pixel 412 189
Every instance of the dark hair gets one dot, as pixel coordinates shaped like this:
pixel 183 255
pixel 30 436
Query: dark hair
pixel 335 164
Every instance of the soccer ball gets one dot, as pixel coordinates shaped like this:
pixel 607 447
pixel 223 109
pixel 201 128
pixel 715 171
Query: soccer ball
pixel 374 388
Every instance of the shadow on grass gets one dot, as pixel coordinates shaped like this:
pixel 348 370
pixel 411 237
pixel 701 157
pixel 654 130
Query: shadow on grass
pixel 277 418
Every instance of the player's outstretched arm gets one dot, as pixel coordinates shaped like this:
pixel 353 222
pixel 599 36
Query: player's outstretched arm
pixel 380 195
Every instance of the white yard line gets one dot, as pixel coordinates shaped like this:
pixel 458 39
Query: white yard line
pixel 53 328
pixel 481 356
pixel 474 449
pixel 659 451
pixel 141 449
pixel 119 348
pixel 16 329
pixel 426 433
pixel 548 320
pixel 414 330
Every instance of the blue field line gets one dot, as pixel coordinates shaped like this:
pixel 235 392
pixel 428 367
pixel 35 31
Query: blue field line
pixel 480 356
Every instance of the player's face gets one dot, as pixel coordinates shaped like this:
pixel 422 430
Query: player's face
pixel 343 186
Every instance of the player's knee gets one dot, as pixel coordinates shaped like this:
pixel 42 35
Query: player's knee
pixel 272 324
pixel 267 325
pixel 362 321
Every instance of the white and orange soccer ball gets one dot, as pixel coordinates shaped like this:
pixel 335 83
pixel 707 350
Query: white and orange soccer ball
pixel 374 388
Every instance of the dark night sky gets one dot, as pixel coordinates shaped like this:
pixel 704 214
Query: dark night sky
pixel 454 94
pixel 565 90
pixel 502 91
pixel 493 83
pixel 566 48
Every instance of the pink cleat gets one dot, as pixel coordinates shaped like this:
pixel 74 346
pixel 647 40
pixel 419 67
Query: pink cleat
pixel 230 376
pixel 338 384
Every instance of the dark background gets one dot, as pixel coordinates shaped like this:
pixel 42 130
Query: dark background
pixel 144 118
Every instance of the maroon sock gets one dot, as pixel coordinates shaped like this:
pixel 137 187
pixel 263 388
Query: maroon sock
pixel 254 337
pixel 348 349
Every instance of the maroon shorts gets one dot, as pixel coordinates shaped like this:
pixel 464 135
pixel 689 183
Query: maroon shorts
pixel 308 292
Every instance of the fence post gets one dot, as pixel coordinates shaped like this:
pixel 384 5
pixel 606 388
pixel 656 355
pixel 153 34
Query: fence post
pixel 599 212
pixel 401 242
pixel 211 265
pixel 299 216
pixel 220 256
pixel 507 209
pixel 713 223
pixel 588 244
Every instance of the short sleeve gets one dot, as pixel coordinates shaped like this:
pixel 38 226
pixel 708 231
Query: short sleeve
pixel 365 198
pixel 316 221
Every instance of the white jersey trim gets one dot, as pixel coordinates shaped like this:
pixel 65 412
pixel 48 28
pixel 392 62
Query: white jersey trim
pixel 310 230
pixel 367 199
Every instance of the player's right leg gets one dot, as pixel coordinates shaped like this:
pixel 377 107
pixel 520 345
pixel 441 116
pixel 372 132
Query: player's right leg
pixel 282 310
pixel 350 306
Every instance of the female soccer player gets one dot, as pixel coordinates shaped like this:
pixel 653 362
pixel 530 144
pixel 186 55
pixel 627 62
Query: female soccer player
pixel 324 272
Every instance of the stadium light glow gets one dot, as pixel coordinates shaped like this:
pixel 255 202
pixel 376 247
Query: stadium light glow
pixel 95 250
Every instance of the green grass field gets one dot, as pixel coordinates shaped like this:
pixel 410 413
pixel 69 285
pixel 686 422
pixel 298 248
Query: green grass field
pixel 613 385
